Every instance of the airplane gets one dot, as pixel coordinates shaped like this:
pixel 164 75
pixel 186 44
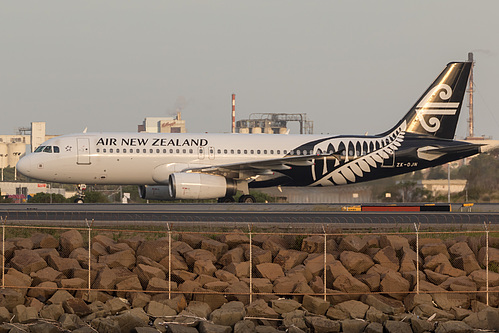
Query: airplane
pixel 169 166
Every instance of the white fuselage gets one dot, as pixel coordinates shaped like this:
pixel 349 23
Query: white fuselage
pixel 148 158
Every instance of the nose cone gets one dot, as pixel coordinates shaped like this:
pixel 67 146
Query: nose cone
pixel 24 166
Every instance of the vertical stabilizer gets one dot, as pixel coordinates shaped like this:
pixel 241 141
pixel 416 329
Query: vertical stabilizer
pixel 436 113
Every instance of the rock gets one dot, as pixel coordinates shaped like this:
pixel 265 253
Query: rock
pixel 336 314
pixel 313 244
pixel 10 298
pixel 295 319
pixel 59 297
pixel 480 278
pixel 177 328
pixel 432 262
pixel 269 271
pixel 156 309
pixel 27 261
pixel 315 263
pixel 374 315
pixel 119 259
pixel 349 284
pixel 352 243
pixel 322 325
pixel 384 304
pixel 396 242
pixel 244 326
pixel 259 255
pixel 234 239
pixel 228 314
pixel 44 290
pixel 131 283
pixel 105 325
pixel 199 254
pixel 238 291
pixel 199 309
pixel 240 270
pixel 72 284
pixel 156 284
pixel 260 309
pixel 284 305
pixel 448 269
pixel 205 267
pixel 24 314
pixel 392 326
pixel 420 325
pixel 356 263
pixel 4 315
pixel 64 265
pixel 427 310
pixel 372 280
pixel 353 325
pixel 70 240
pixel 155 250
pixel 217 248
pixel 106 279
pixel 214 301
pixel 236 255
pixel 206 327
pixel 315 305
pixel 354 309
pixel 413 300
pixel 147 272
pixel 76 306
pixel 486 319
pixel 274 244
pixel 132 319
pixel 387 257
pixel 116 305
pixel 44 328
pixel 139 300
pixel 493 256
pixel 467 262
pixel 454 327
pixel 432 249
pixel 70 321
pixel 395 285
pixel 290 258
pixel 460 249
pixel 374 328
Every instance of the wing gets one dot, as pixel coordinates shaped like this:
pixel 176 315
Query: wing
pixel 246 170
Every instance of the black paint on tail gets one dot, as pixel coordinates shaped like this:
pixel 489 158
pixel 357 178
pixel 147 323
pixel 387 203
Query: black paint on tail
pixel 436 113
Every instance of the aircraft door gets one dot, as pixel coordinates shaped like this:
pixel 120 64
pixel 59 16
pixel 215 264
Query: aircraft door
pixel 201 153
pixel 83 151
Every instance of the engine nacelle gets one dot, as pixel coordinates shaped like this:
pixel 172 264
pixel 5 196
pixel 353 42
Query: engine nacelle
pixel 200 186
pixel 155 192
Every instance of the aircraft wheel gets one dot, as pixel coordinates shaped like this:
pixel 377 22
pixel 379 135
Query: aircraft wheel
pixel 79 200
pixel 226 200
pixel 247 199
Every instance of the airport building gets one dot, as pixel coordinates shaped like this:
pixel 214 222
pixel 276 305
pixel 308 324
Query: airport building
pixel 163 125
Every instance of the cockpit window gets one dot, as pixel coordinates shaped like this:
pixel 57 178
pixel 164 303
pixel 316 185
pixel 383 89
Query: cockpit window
pixel 47 149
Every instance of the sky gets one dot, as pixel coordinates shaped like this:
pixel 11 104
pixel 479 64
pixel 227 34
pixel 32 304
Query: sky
pixel 352 66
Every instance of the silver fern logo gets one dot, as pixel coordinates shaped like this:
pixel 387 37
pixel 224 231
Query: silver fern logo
pixel 428 106
pixel 365 156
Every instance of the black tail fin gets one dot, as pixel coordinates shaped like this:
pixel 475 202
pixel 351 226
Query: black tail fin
pixel 436 113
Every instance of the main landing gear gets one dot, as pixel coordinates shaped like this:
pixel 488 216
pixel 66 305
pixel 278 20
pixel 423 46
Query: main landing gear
pixel 243 199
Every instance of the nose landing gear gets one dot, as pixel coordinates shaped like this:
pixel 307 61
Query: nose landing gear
pixel 80 192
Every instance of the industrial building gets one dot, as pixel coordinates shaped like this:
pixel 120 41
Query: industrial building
pixel 13 146
pixel 274 123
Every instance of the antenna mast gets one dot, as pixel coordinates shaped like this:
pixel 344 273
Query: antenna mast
pixel 471 131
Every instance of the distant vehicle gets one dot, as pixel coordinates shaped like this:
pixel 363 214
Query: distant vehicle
pixel 204 166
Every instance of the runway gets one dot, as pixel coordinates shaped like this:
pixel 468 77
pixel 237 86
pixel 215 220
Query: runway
pixel 283 215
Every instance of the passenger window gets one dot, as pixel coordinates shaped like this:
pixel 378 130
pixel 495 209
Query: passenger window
pixel 178 151
pixel 219 151
pixel 104 150
pixel 171 151
pixel 225 151
pixel 285 151
pixel 252 152
pixel 111 150
pixel 118 150
pixel 232 151
pixel 157 151
pixel 97 150
pixel 272 152
pixel 191 151
pixel 245 151
pixel 278 152
pixel 184 151
pixel 144 151
pixel 47 149
pixel 164 151
pixel 56 149
pixel 137 150
pixel 239 151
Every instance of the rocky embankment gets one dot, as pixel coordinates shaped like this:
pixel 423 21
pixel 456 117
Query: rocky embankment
pixel 370 282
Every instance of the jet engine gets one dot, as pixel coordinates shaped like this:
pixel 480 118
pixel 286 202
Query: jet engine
pixel 155 192
pixel 200 186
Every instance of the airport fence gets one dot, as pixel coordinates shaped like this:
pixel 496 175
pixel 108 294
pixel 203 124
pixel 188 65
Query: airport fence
pixel 456 268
